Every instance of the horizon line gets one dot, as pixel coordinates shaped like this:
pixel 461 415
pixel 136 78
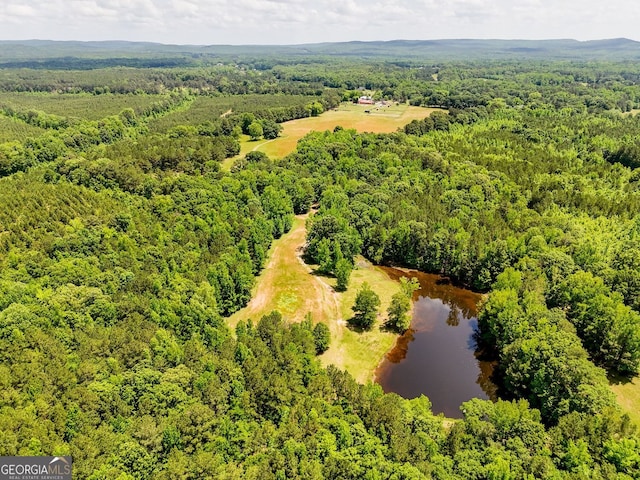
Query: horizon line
pixel 203 45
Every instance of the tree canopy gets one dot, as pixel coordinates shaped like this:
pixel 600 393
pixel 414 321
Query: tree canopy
pixel 125 245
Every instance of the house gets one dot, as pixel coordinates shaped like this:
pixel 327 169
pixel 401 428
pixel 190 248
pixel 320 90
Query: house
pixel 365 100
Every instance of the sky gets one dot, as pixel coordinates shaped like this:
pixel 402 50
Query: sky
pixel 241 22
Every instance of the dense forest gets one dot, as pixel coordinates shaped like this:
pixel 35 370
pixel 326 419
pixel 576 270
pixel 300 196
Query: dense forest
pixel 125 245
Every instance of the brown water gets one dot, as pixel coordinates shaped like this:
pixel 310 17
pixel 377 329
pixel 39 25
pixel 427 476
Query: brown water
pixel 438 356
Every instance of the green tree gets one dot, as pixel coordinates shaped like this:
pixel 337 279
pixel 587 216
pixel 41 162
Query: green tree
pixel 255 130
pixel 321 337
pixel 365 308
pixel 302 195
pixel 278 208
pixel 246 120
pixel 343 272
pixel 256 157
pixel 315 109
pixel 625 455
pixel 408 286
pixel 399 319
pixel 323 256
pixel 610 331
pixel 271 129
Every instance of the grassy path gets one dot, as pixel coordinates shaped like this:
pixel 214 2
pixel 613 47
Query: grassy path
pixel 288 285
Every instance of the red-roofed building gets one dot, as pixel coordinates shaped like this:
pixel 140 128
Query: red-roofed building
pixel 365 100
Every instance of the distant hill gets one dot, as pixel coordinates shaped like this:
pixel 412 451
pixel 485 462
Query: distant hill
pixel 469 48
pixel 53 54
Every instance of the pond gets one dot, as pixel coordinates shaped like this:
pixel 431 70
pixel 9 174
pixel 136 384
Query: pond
pixel 438 355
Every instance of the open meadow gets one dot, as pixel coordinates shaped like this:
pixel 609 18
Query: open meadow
pixel 291 287
pixel 347 115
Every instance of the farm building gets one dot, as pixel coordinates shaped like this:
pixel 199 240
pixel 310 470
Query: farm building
pixel 365 100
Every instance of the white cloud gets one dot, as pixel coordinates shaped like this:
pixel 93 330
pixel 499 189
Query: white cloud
pixel 14 10
pixel 89 9
pixel 300 21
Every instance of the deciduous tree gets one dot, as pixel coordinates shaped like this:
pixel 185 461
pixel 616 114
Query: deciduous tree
pixel 365 308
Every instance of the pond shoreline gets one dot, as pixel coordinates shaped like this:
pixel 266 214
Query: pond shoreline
pixel 438 355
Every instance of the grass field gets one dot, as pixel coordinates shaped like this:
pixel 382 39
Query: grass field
pixel 289 286
pixel 384 120
pixel 286 285
pixel 83 106
pixel 12 129
pixel 628 395
pixel 347 115
pixel 361 353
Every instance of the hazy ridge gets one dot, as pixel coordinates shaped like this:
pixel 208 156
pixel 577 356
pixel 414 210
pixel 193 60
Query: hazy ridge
pixel 15 53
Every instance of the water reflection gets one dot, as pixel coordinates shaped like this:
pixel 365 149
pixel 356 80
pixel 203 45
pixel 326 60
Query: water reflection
pixel 399 351
pixel 438 355
pixel 453 320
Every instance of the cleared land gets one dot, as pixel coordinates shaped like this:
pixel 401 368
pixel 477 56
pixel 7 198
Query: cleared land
pixel 347 115
pixel 361 353
pixel 290 286
pixel 379 120
pixel 84 106
pixel 286 285
pixel 628 395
